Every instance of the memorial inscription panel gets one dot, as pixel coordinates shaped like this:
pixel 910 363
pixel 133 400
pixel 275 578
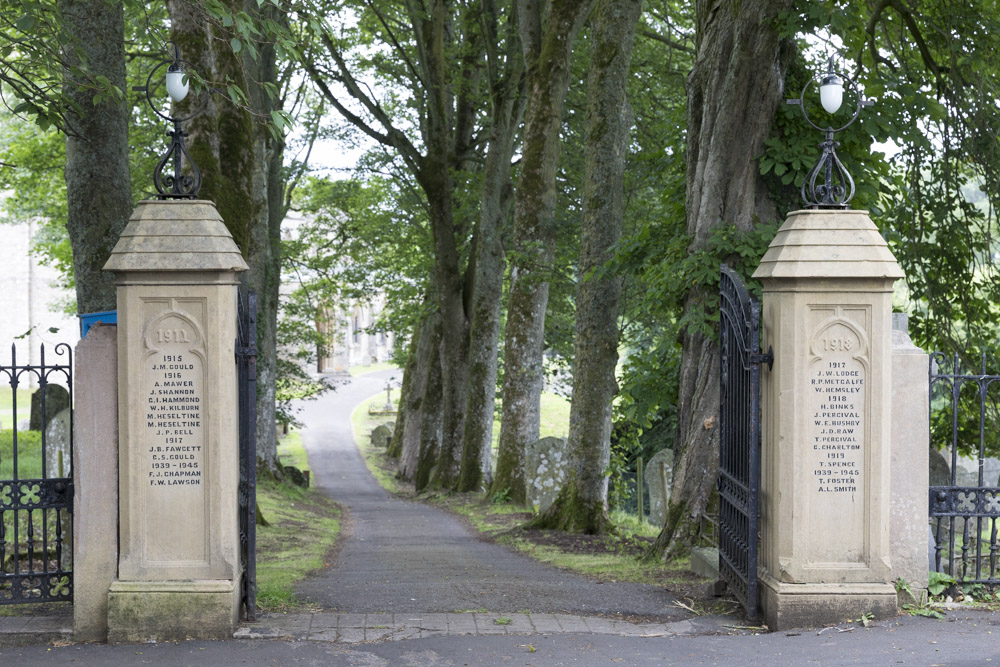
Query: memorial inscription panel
pixel 835 443
pixel 173 455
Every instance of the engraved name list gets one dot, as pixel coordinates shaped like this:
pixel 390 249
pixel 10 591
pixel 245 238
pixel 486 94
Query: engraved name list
pixel 837 416
pixel 174 411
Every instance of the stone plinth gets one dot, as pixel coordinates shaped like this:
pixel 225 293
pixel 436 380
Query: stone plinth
pixel 179 568
pixel 827 299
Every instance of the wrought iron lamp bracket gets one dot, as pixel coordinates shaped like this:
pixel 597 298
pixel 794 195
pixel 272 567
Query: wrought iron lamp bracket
pixel 837 187
pixel 178 185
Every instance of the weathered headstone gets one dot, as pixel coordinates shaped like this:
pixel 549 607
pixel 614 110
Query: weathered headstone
pixel 56 400
pixel 940 472
pixel 659 476
pixel 967 473
pixel 545 471
pixel 57 445
pixel 296 476
pixel 381 436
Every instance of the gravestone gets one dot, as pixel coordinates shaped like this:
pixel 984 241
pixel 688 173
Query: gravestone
pixel 659 476
pixel 940 471
pixel 381 436
pixel 967 473
pixel 57 445
pixel 545 470
pixel 56 400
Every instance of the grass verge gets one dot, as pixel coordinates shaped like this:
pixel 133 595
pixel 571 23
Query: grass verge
pixel 303 529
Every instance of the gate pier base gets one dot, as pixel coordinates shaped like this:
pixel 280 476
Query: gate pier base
pixel 172 610
pixel 825 463
pixel 788 605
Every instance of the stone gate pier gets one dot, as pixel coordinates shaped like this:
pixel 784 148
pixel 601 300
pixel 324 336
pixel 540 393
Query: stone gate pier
pixel 178 567
pixel 826 413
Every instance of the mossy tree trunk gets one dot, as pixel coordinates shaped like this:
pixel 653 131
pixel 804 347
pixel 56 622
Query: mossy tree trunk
pixel 241 170
pixel 506 111
pixel 98 188
pixel 431 410
pixel 427 341
pixel 582 502
pixel 733 92
pixel 406 387
pixel 548 32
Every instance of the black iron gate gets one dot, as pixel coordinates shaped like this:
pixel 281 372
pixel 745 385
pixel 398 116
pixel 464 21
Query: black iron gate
pixel 739 438
pixel 965 513
pixel 36 492
pixel 246 363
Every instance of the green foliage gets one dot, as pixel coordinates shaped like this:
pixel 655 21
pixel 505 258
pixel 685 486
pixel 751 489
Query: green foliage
pixel 938 582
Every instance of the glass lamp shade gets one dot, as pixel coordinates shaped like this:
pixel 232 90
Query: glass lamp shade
pixel 831 92
pixel 177 83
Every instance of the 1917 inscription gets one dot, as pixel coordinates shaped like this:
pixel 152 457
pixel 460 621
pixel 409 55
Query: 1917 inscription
pixel 174 394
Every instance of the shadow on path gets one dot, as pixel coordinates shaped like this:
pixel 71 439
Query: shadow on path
pixel 407 557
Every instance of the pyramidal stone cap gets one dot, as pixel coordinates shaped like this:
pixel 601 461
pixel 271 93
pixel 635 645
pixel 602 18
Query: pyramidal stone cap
pixel 828 244
pixel 178 235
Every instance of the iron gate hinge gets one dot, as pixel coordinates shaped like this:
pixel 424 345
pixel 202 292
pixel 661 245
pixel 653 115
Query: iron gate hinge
pixel 764 358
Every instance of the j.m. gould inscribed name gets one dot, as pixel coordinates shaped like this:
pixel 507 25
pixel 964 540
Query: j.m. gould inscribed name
pixel 174 401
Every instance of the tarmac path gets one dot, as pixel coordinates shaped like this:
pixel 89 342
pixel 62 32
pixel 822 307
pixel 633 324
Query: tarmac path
pixel 406 557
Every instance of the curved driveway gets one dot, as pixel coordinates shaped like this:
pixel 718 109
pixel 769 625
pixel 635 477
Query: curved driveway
pixel 401 556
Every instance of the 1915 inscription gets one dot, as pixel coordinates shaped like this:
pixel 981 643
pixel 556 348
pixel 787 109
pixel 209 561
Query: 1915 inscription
pixel 837 383
pixel 173 385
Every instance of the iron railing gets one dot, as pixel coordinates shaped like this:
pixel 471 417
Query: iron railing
pixel 36 493
pixel 965 514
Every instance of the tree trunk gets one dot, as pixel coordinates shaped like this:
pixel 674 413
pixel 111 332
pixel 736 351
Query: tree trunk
pixel 428 341
pixel 431 411
pixel 98 188
pixel 238 159
pixel 733 92
pixel 547 51
pixel 582 504
pixel 506 112
pixel 405 391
